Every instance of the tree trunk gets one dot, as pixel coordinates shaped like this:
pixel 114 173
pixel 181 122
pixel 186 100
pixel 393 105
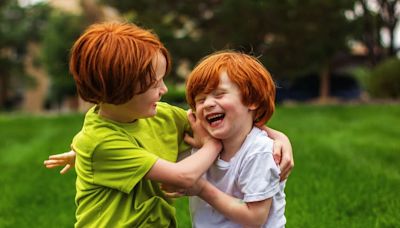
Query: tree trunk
pixel 34 97
pixel 392 49
pixel 3 91
pixel 370 34
pixel 324 85
pixel 92 11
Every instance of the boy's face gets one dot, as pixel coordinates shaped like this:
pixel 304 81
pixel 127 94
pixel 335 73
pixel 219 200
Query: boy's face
pixel 222 112
pixel 145 104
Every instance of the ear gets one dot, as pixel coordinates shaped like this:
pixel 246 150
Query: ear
pixel 252 107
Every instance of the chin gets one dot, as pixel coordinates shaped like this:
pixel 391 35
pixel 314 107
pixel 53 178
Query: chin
pixel 218 134
pixel 153 113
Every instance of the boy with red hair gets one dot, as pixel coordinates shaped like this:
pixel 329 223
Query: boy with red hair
pixel 129 140
pixel 233 95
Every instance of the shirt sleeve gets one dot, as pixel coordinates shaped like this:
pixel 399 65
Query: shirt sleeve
pixel 259 177
pixel 120 164
pixel 183 126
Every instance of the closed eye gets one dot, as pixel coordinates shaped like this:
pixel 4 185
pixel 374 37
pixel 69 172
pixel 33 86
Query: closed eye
pixel 219 94
pixel 199 100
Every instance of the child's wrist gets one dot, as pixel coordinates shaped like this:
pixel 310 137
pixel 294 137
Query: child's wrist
pixel 207 191
pixel 213 142
pixel 202 186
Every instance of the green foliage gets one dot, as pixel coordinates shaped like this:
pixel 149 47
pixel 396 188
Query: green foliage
pixel 292 37
pixel 57 39
pixel 346 172
pixel 175 95
pixel 362 75
pixel 385 79
pixel 18 27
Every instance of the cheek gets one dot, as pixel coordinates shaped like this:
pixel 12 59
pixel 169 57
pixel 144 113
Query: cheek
pixel 229 104
pixel 199 114
pixel 198 111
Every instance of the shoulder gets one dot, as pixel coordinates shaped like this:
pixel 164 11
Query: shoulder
pixel 97 132
pixel 258 141
pixel 171 115
pixel 165 108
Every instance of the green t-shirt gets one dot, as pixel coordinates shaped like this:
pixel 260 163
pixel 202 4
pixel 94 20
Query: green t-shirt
pixel 112 159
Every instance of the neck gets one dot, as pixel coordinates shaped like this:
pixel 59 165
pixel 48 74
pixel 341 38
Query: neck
pixel 116 113
pixel 232 144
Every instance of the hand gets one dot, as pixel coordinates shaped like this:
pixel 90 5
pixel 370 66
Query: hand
pixel 196 189
pixel 175 192
pixel 67 159
pixel 283 156
pixel 172 191
pixel 200 135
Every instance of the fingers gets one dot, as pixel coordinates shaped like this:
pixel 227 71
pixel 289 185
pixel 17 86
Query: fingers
pixel 277 152
pixel 172 191
pixel 286 166
pixel 283 157
pixel 65 169
pixel 51 166
pixel 174 194
pixel 63 156
pixel 53 163
pixel 190 140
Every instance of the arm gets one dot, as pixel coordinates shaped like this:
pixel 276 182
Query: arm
pixel 67 159
pixel 283 153
pixel 247 214
pixel 185 173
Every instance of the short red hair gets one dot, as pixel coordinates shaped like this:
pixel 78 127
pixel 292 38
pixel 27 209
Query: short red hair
pixel 111 62
pixel 247 72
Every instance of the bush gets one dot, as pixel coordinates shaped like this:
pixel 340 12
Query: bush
pixel 385 79
pixel 175 95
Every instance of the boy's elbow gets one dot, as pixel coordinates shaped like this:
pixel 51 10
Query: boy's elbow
pixel 258 221
pixel 256 218
pixel 255 221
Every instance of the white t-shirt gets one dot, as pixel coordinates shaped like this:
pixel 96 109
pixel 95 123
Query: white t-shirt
pixel 251 175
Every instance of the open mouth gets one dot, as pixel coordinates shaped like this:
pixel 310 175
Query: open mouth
pixel 214 118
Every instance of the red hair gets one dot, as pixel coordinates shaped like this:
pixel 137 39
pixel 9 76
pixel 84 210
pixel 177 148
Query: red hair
pixel 247 72
pixel 112 62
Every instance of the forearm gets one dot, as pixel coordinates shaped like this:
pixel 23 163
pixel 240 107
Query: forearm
pixel 275 135
pixel 247 214
pixel 283 153
pixel 192 167
pixel 185 173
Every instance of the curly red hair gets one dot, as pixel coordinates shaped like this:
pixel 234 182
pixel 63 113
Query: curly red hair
pixel 111 62
pixel 247 72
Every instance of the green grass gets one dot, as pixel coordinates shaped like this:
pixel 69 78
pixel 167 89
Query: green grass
pixel 347 171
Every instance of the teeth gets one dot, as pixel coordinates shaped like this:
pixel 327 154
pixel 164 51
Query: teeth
pixel 214 116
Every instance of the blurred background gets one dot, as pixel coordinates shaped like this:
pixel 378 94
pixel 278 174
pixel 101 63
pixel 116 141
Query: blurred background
pixel 335 62
pixel 320 51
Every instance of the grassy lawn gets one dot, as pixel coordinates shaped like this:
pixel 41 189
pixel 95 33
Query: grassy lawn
pixel 347 171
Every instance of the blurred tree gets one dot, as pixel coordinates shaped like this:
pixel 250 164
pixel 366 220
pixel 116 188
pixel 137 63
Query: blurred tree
pixel 18 26
pixel 292 37
pixel 57 39
pixel 179 24
pixel 384 79
pixel 373 18
pixel 389 12
pixel 309 36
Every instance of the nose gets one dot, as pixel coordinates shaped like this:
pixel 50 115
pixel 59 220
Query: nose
pixel 163 89
pixel 209 102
